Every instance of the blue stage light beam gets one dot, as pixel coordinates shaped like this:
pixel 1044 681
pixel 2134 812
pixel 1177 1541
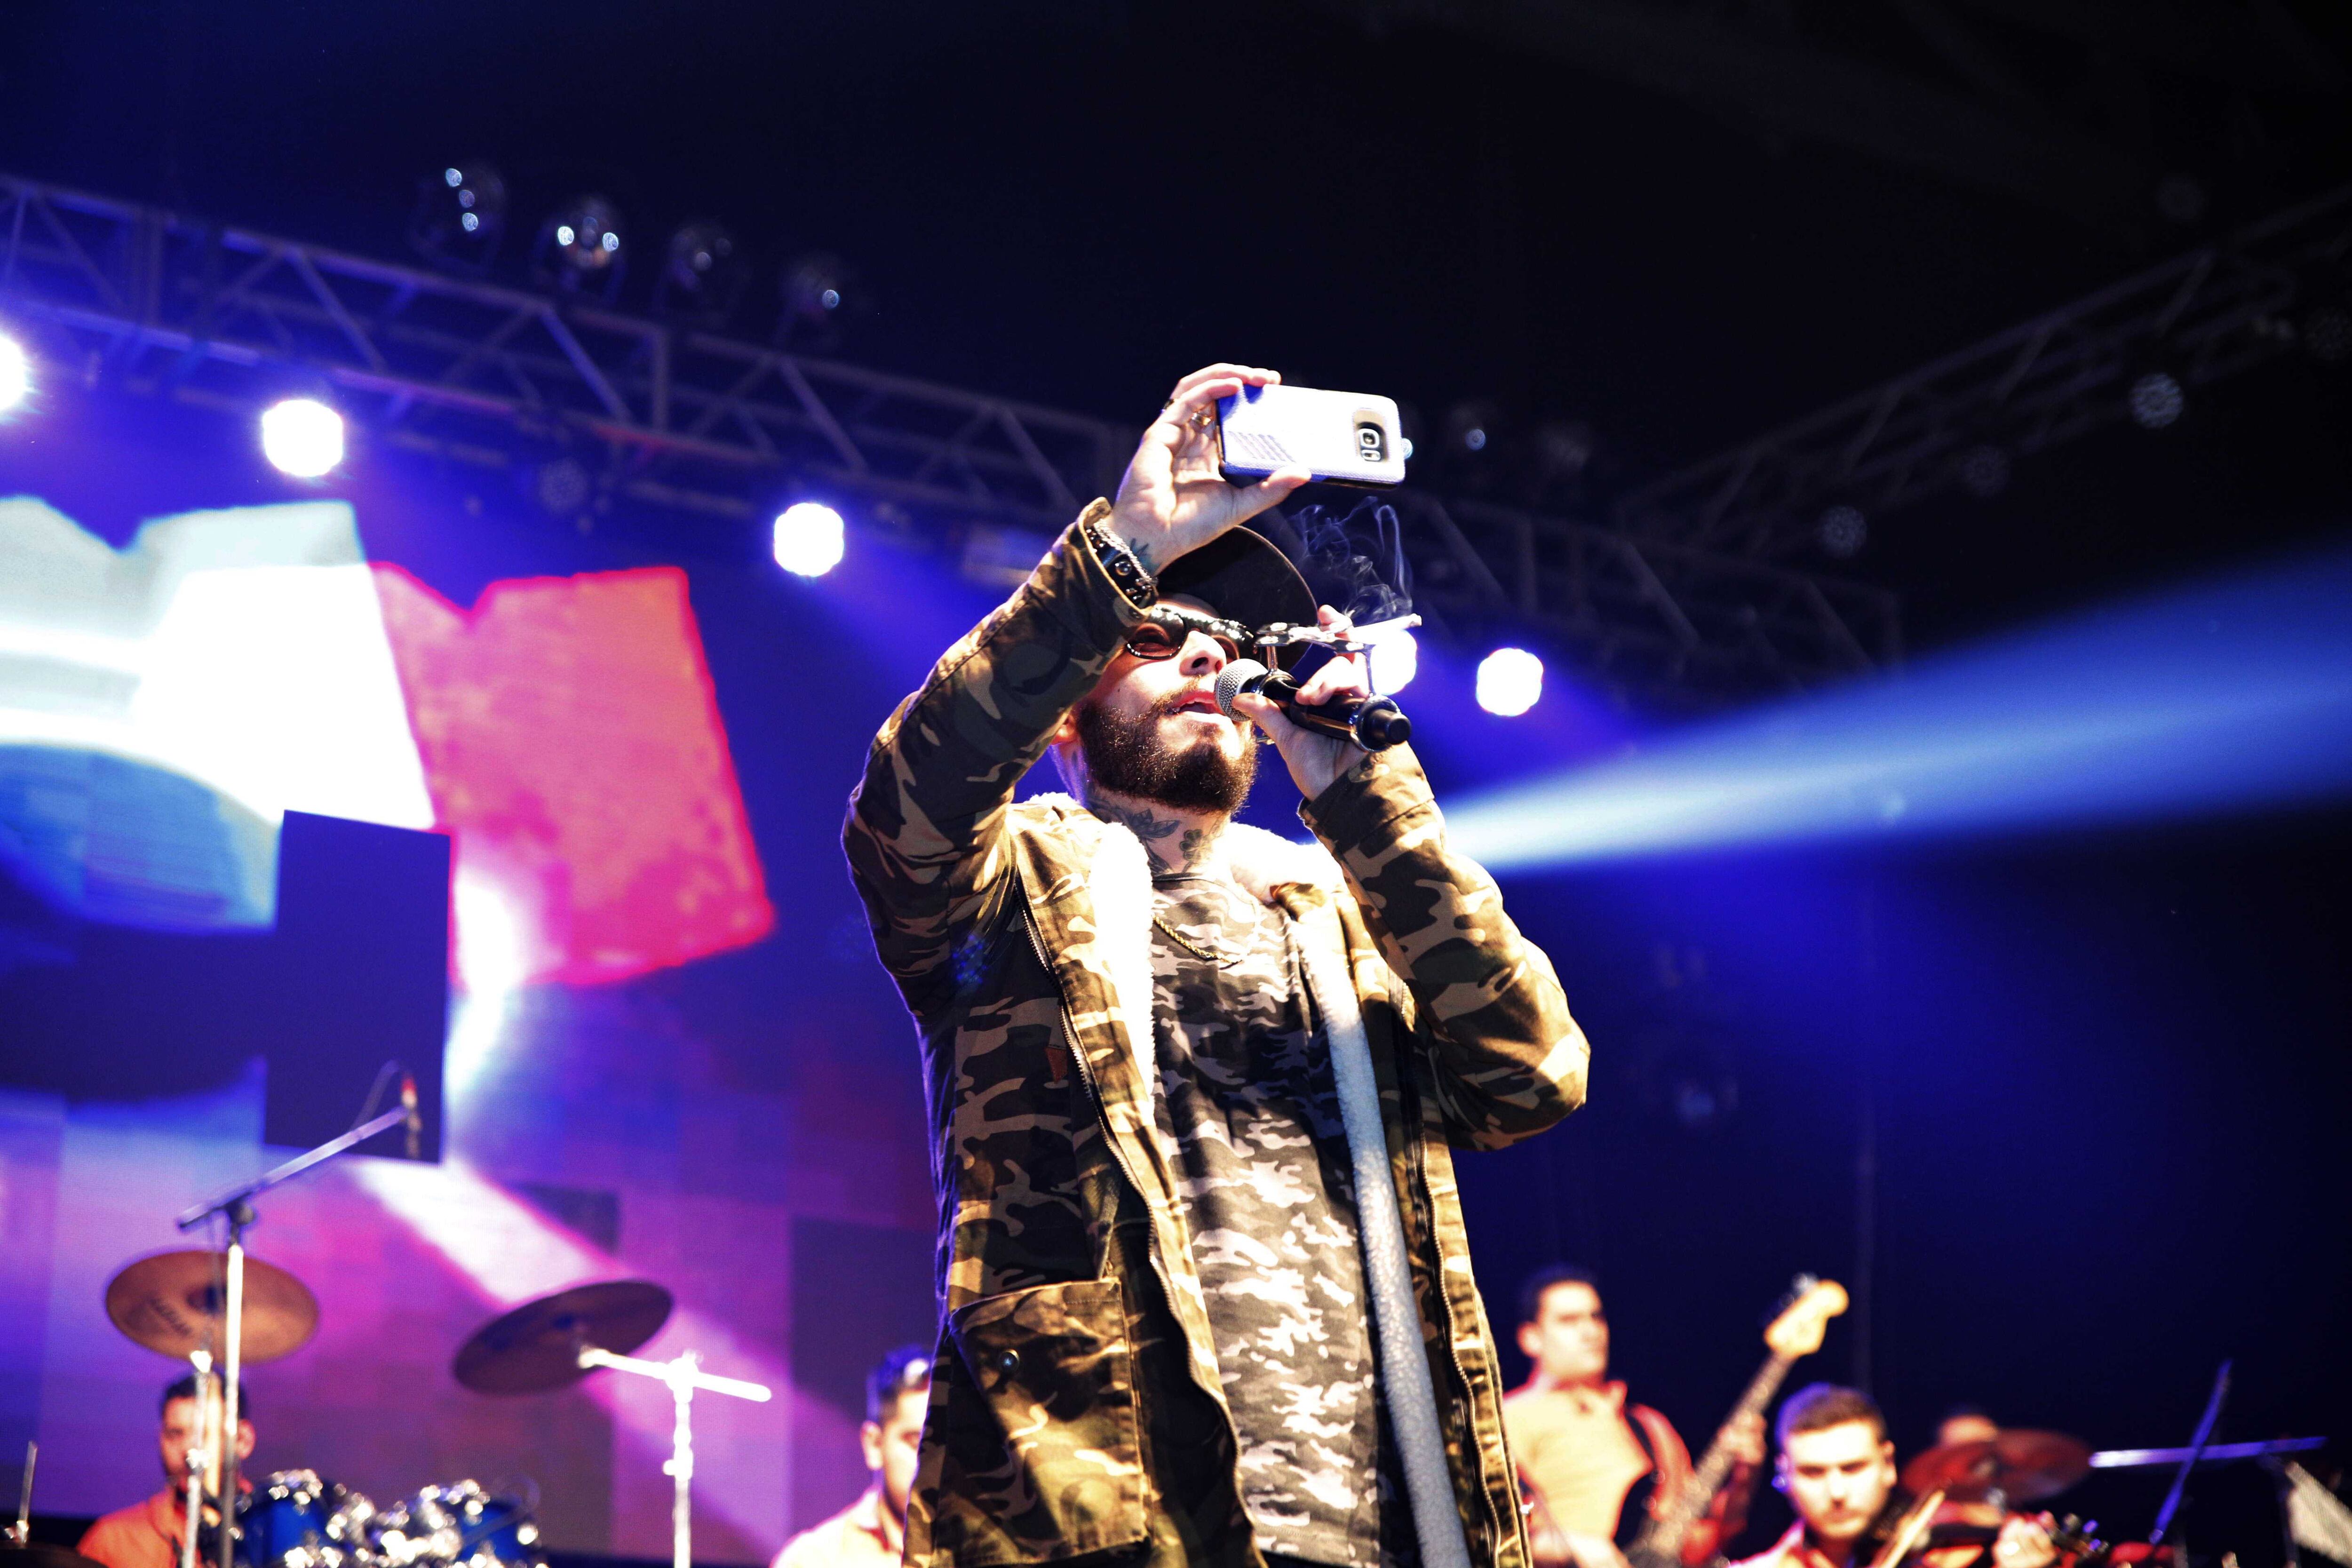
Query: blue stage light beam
pixel 2219 698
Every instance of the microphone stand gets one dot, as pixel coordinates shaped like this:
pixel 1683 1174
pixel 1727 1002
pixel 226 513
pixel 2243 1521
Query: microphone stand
pixel 684 1374
pixel 199 1459
pixel 20 1534
pixel 235 1208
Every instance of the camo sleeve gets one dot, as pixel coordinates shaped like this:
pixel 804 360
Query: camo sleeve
pixel 1508 1059
pixel 925 831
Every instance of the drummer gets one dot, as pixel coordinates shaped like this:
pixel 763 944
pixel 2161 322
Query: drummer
pixel 148 1534
pixel 1837 1468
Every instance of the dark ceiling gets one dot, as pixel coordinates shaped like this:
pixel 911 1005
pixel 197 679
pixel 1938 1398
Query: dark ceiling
pixel 1679 223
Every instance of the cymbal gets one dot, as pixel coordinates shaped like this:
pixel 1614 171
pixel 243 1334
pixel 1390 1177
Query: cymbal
pixel 41 1555
pixel 172 1304
pixel 536 1346
pixel 2022 1465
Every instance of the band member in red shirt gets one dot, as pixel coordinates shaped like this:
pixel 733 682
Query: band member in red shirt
pixel 1837 1467
pixel 148 1534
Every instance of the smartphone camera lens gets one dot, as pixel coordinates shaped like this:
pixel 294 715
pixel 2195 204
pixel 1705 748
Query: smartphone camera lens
pixel 1372 441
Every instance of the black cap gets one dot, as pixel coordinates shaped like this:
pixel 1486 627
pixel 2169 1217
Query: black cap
pixel 1241 577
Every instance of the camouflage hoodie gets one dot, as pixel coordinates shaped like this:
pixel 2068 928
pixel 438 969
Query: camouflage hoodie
pixel 1076 1405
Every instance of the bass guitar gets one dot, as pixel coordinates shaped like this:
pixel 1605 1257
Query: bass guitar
pixel 1794 1333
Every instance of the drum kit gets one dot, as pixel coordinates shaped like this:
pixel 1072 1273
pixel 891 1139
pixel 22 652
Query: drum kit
pixel 1978 1483
pixel 205 1308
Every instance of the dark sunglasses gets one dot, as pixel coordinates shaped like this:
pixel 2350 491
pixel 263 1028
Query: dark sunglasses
pixel 1164 634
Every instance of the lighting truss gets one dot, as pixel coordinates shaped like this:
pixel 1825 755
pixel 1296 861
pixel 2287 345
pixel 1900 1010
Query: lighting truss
pixel 167 305
pixel 2211 313
pixel 1683 627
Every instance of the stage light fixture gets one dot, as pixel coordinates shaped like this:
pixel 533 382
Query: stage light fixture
pixel 1395 660
pixel 2328 334
pixel 809 540
pixel 1567 445
pixel 703 274
pixel 1843 530
pixel 563 486
pixel 1470 428
pixel 302 436
pixel 15 373
pixel 1984 471
pixel 1510 681
pixel 2157 400
pixel 460 216
pixel 581 247
pixel 819 294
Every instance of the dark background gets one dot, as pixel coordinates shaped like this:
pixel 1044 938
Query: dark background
pixel 2108 1071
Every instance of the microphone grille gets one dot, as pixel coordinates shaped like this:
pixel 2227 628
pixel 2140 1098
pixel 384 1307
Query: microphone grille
pixel 1235 678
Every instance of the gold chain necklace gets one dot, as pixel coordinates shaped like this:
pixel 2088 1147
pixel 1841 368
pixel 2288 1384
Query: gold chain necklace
pixel 1205 954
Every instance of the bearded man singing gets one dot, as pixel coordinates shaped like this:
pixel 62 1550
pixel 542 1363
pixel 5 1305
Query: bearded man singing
pixel 1142 1026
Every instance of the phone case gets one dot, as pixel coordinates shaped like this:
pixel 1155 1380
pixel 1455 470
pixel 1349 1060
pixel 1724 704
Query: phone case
pixel 1345 438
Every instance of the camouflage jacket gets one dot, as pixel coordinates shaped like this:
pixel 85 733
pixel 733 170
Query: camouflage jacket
pixel 1076 1405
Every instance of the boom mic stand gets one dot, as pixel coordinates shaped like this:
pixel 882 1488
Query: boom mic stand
pixel 236 1209
pixel 684 1374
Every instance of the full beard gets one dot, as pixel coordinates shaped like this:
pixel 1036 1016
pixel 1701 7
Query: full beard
pixel 1128 757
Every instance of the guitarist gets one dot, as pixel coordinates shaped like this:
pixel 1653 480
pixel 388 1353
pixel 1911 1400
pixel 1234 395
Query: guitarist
pixel 1594 1462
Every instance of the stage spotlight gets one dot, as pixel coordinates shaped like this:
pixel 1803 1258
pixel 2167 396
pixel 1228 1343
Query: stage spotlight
pixel 563 487
pixel 15 373
pixel 2157 400
pixel 2328 334
pixel 1510 681
pixel 1984 471
pixel 302 436
pixel 820 294
pixel 1393 661
pixel 703 274
pixel 1567 446
pixel 808 539
pixel 580 246
pixel 460 216
pixel 1470 428
pixel 1843 532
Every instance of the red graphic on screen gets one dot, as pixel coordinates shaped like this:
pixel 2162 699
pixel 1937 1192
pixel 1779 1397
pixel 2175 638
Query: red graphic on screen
pixel 573 750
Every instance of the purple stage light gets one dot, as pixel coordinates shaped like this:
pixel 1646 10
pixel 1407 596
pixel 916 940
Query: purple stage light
pixel 302 436
pixel 1395 660
pixel 15 373
pixel 808 539
pixel 1510 681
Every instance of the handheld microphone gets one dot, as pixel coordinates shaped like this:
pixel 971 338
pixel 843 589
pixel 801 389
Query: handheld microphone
pixel 1375 723
pixel 415 1124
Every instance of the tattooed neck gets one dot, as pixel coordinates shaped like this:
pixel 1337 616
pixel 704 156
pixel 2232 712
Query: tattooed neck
pixel 1176 840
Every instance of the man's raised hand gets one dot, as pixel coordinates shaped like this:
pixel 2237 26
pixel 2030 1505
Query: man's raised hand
pixel 1315 760
pixel 1172 498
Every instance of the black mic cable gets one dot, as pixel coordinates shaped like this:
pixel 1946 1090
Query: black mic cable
pixel 1375 723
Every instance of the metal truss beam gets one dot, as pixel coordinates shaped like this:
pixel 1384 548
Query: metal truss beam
pixel 1691 628
pixel 2211 313
pixel 691 421
pixel 166 303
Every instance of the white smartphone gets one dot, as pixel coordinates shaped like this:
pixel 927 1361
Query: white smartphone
pixel 1346 438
